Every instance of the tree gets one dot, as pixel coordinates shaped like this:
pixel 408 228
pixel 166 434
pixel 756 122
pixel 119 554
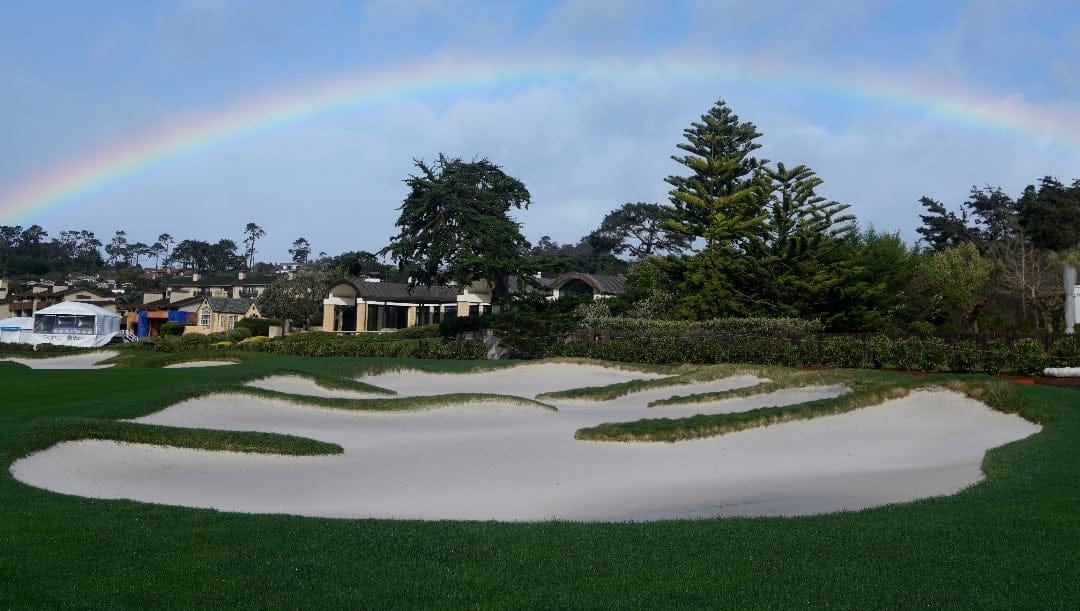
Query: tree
pixel 954 282
pixel 300 250
pixel 455 226
pixel 720 202
pixel 1051 214
pixel 639 229
pixel 723 179
pixel 117 249
pixel 298 298
pixel 941 227
pixel 165 241
pixel 802 237
pixel 223 257
pixel 252 233
pixel 192 254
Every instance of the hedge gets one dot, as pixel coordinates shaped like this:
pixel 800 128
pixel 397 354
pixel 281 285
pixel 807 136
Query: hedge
pixel 717 327
pixel 931 354
pixel 317 344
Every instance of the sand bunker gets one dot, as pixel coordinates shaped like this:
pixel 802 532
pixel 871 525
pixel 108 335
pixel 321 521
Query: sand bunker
pixel 189 364
pixel 88 360
pixel 296 385
pixel 523 380
pixel 514 463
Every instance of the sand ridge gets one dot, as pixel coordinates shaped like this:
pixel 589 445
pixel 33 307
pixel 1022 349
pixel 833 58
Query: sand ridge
pixel 514 463
pixel 87 360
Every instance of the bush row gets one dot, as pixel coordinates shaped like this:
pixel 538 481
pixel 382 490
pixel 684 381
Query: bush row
pixel 1024 356
pixel 717 327
pixel 317 344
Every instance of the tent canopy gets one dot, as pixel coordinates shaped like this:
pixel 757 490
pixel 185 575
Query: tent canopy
pixel 75 324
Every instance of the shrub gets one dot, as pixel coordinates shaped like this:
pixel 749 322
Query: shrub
pixel 844 352
pixel 237 334
pixel 907 353
pixel 222 345
pixel 1065 353
pixel 934 354
pixel 257 326
pixel 255 339
pixel 723 328
pixel 450 328
pixel 964 357
pixel 921 327
pixel 1028 356
pixel 880 349
pixel 810 351
pixel 172 328
pixel 423 332
pixel 995 357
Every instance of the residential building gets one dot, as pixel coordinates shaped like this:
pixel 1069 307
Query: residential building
pixel 234 286
pixel 216 314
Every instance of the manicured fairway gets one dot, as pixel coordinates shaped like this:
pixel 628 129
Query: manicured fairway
pixel 1011 541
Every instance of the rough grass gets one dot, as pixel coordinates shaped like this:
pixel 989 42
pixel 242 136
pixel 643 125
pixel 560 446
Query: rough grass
pixel 73 429
pixel 677 376
pixel 1010 541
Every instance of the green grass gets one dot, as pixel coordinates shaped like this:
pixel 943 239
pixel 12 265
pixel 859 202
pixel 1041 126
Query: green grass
pixel 1010 541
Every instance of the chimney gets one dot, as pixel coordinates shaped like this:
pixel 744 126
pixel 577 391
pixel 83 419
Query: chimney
pixel 241 275
pixel 195 277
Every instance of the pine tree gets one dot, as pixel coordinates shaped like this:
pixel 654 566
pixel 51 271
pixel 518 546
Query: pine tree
pixel 724 176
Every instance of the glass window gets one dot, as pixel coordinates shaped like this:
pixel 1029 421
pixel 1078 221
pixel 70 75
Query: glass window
pixel 204 318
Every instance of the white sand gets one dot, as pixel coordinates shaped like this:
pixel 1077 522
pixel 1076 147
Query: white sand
pixel 189 364
pixel 71 361
pixel 296 385
pixel 513 463
pixel 526 380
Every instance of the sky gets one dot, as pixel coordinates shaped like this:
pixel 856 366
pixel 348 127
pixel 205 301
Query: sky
pixel 196 117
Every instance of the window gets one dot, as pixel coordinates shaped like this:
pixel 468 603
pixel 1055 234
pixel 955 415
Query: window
pixel 204 318
pixel 230 321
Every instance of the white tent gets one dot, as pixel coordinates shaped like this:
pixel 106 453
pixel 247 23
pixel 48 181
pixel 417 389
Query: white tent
pixel 75 324
pixel 16 330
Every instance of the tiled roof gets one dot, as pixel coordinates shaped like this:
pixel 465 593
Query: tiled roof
pixel 229 306
pixel 395 291
pixel 606 285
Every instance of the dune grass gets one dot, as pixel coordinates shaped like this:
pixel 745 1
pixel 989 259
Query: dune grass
pixel 677 376
pixel 1010 541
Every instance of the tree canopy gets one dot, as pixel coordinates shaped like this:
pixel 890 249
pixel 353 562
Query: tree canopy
pixel 455 225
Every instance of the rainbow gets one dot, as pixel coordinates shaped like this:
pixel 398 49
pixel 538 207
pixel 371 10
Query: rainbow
pixel 96 170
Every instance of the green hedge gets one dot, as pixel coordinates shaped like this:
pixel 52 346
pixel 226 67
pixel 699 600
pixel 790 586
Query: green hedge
pixel 318 344
pixel 717 327
pixel 930 354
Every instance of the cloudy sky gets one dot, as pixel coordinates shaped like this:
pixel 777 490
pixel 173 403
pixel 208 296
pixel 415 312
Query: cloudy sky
pixel 196 117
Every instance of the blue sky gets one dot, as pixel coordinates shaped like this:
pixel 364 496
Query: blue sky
pixel 82 77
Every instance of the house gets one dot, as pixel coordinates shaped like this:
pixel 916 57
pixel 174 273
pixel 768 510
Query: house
pixel 216 314
pixel 356 306
pixel 145 319
pixel 239 286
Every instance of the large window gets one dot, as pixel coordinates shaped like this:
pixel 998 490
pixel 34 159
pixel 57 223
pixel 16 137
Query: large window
pixel 67 324
pixel 204 318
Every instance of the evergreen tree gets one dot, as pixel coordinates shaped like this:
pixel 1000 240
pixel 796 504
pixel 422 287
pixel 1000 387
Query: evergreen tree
pixel 723 179
pixel 802 237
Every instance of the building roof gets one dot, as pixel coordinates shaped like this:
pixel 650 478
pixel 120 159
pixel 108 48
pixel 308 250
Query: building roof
pixel 165 304
pixel 605 285
pixel 397 291
pixel 229 306
pixel 75 307
pixel 220 280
